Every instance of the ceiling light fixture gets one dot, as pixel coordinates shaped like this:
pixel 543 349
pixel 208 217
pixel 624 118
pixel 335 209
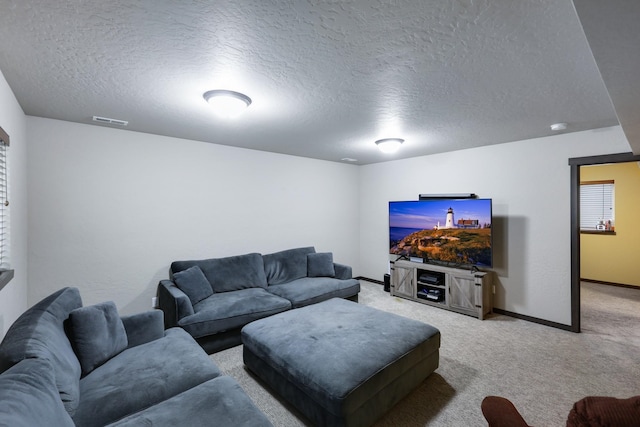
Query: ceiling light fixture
pixel 227 103
pixel 558 126
pixel 389 145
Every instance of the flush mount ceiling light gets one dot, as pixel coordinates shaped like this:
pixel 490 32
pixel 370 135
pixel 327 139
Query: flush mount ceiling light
pixel 227 103
pixel 558 126
pixel 389 145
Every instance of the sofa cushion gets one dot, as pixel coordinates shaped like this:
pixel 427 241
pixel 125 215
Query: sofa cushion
pixel 311 290
pixel 193 283
pixel 320 265
pixel 29 396
pixel 143 376
pixel 230 310
pixel 220 401
pixel 39 333
pixel 97 334
pixel 230 273
pixel 285 266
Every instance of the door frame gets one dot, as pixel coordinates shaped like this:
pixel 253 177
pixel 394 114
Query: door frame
pixel 575 164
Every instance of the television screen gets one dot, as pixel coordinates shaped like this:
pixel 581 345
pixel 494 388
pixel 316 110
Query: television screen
pixel 447 231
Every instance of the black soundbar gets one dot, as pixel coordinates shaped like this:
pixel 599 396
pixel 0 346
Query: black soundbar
pixel 447 196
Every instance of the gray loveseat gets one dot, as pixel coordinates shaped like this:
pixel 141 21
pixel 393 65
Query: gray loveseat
pixel 63 364
pixel 213 299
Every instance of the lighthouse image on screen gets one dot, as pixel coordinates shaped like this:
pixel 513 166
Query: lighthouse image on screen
pixel 450 231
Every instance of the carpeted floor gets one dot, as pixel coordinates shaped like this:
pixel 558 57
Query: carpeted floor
pixel 542 370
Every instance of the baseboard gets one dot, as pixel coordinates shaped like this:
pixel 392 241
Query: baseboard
pixel 379 282
pixel 500 311
pixel 534 319
pixel 619 285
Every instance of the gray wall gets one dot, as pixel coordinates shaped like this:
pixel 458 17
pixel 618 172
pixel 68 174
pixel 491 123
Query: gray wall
pixel 110 209
pixel 529 184
pixel 13 297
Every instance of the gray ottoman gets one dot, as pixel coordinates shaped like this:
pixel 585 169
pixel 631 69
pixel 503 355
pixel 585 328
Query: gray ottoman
pixel 341 363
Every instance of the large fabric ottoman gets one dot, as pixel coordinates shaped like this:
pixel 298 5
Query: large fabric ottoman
pixel 338 362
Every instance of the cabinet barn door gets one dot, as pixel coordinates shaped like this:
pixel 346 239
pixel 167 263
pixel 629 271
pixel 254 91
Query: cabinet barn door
pixel 463 295
pixel 402 282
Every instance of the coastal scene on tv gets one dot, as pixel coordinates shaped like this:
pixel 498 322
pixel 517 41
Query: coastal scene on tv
pixel 448 231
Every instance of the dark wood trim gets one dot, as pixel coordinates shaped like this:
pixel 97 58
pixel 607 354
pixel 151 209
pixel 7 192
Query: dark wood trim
pixel 4 137
pixel 5 277
pixel 575 247
pixel 575 164
pixel 604 159
pixel 606 181
pixel 605 232
pixel 379 282
pixel 533 319
pixel 618 285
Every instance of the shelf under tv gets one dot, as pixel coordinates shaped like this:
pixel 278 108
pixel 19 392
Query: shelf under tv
pixel 463 291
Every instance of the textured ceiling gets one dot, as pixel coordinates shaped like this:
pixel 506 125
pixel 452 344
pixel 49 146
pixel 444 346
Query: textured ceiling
pixel 613 31
pixel 327 78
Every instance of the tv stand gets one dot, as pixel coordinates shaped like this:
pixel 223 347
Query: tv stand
pixel 463 291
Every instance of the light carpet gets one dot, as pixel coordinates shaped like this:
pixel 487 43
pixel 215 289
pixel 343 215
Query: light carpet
pixel 542 370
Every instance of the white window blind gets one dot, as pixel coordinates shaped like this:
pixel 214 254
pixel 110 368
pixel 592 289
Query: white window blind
pixel 597 207
pixel 6 273
pixel 4 202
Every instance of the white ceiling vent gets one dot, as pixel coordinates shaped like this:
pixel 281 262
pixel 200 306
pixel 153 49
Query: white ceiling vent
pixel 108 121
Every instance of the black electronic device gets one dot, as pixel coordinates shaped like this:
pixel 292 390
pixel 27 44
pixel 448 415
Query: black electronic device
pixel 432 279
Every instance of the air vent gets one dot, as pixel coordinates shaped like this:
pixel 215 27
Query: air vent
pixel 108 121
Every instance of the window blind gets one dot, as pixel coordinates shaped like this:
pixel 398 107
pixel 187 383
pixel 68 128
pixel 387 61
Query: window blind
pixel 4 202
pixel 596 205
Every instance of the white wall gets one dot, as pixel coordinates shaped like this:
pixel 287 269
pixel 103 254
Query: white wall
pixel 13 297
pixel 529 184
pixel 110 209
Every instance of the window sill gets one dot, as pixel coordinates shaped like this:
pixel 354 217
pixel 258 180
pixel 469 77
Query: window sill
pixel 608 233
pixel 5 277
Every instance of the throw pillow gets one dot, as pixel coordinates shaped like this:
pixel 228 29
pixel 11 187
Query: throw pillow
pixel 98 334
pixel 193 283
pixel 286 266
pixel 320 265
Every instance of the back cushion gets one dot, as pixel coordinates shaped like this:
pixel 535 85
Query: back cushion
pixel 29 396
pixel 230 273
pixel 39 334
pixel 285 266
pixel 97 334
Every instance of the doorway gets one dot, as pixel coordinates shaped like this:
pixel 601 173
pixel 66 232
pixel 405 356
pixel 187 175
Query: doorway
pixel 575 164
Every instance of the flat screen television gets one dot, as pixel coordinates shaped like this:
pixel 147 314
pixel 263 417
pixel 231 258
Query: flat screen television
pixel 455 232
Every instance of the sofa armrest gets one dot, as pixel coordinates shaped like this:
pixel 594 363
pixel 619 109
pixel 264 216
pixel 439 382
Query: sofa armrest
pixel 174 303
pixel 602 410
pixel 342 271
pixel 143 327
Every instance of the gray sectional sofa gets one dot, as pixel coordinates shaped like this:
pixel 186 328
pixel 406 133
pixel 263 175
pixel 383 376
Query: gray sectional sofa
pixel 62 364
pixel 213 299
